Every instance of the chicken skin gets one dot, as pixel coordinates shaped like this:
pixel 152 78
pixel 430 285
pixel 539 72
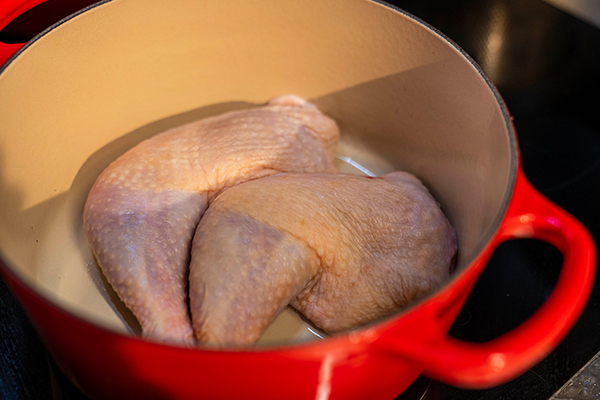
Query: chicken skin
pixel 342 249
pixel 141 213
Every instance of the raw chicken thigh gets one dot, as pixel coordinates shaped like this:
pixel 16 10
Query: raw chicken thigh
pixel 342 249
pixel 142 211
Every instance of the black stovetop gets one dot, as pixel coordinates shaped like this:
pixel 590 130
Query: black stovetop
pixel 547 69
pixel 546 65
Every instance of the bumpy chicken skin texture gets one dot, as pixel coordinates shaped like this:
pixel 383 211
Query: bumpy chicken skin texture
pixel 342 249
pixel 141 213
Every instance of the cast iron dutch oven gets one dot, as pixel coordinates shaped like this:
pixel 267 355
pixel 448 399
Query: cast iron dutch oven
pixel 405 97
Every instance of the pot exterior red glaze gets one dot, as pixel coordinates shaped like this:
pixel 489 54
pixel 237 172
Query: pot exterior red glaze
pixel 414 67
pixel 10 10
pixel 392 354
pixel 479 365
pixel 126 368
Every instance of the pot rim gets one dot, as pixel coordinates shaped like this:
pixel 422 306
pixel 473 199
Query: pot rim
pixel 514 165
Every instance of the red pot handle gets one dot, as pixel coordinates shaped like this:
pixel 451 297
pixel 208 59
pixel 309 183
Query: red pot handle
pixel 9 10
pixel 480 365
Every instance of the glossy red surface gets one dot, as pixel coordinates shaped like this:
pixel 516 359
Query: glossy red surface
pixel 478 365
pixel 9 10
pixel 105 365
pixel 378 362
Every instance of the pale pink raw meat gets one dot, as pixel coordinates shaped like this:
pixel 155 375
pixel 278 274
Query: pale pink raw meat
pixel 142 211
pixel 342 249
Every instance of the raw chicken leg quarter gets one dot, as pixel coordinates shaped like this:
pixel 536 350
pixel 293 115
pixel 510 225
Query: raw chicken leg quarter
pixel 342 249
pixel 142 211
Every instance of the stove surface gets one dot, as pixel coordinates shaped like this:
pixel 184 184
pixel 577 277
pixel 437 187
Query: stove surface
pixel 546 65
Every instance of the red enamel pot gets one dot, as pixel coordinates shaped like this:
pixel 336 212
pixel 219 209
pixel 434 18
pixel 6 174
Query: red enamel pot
pixel 405 97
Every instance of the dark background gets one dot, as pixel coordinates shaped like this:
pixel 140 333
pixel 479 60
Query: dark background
pixel 546 65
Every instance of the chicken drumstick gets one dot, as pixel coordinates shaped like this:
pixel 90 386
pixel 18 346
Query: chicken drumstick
pixel 142 211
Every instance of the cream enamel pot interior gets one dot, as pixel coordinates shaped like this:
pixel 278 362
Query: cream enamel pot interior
pixel 405 97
